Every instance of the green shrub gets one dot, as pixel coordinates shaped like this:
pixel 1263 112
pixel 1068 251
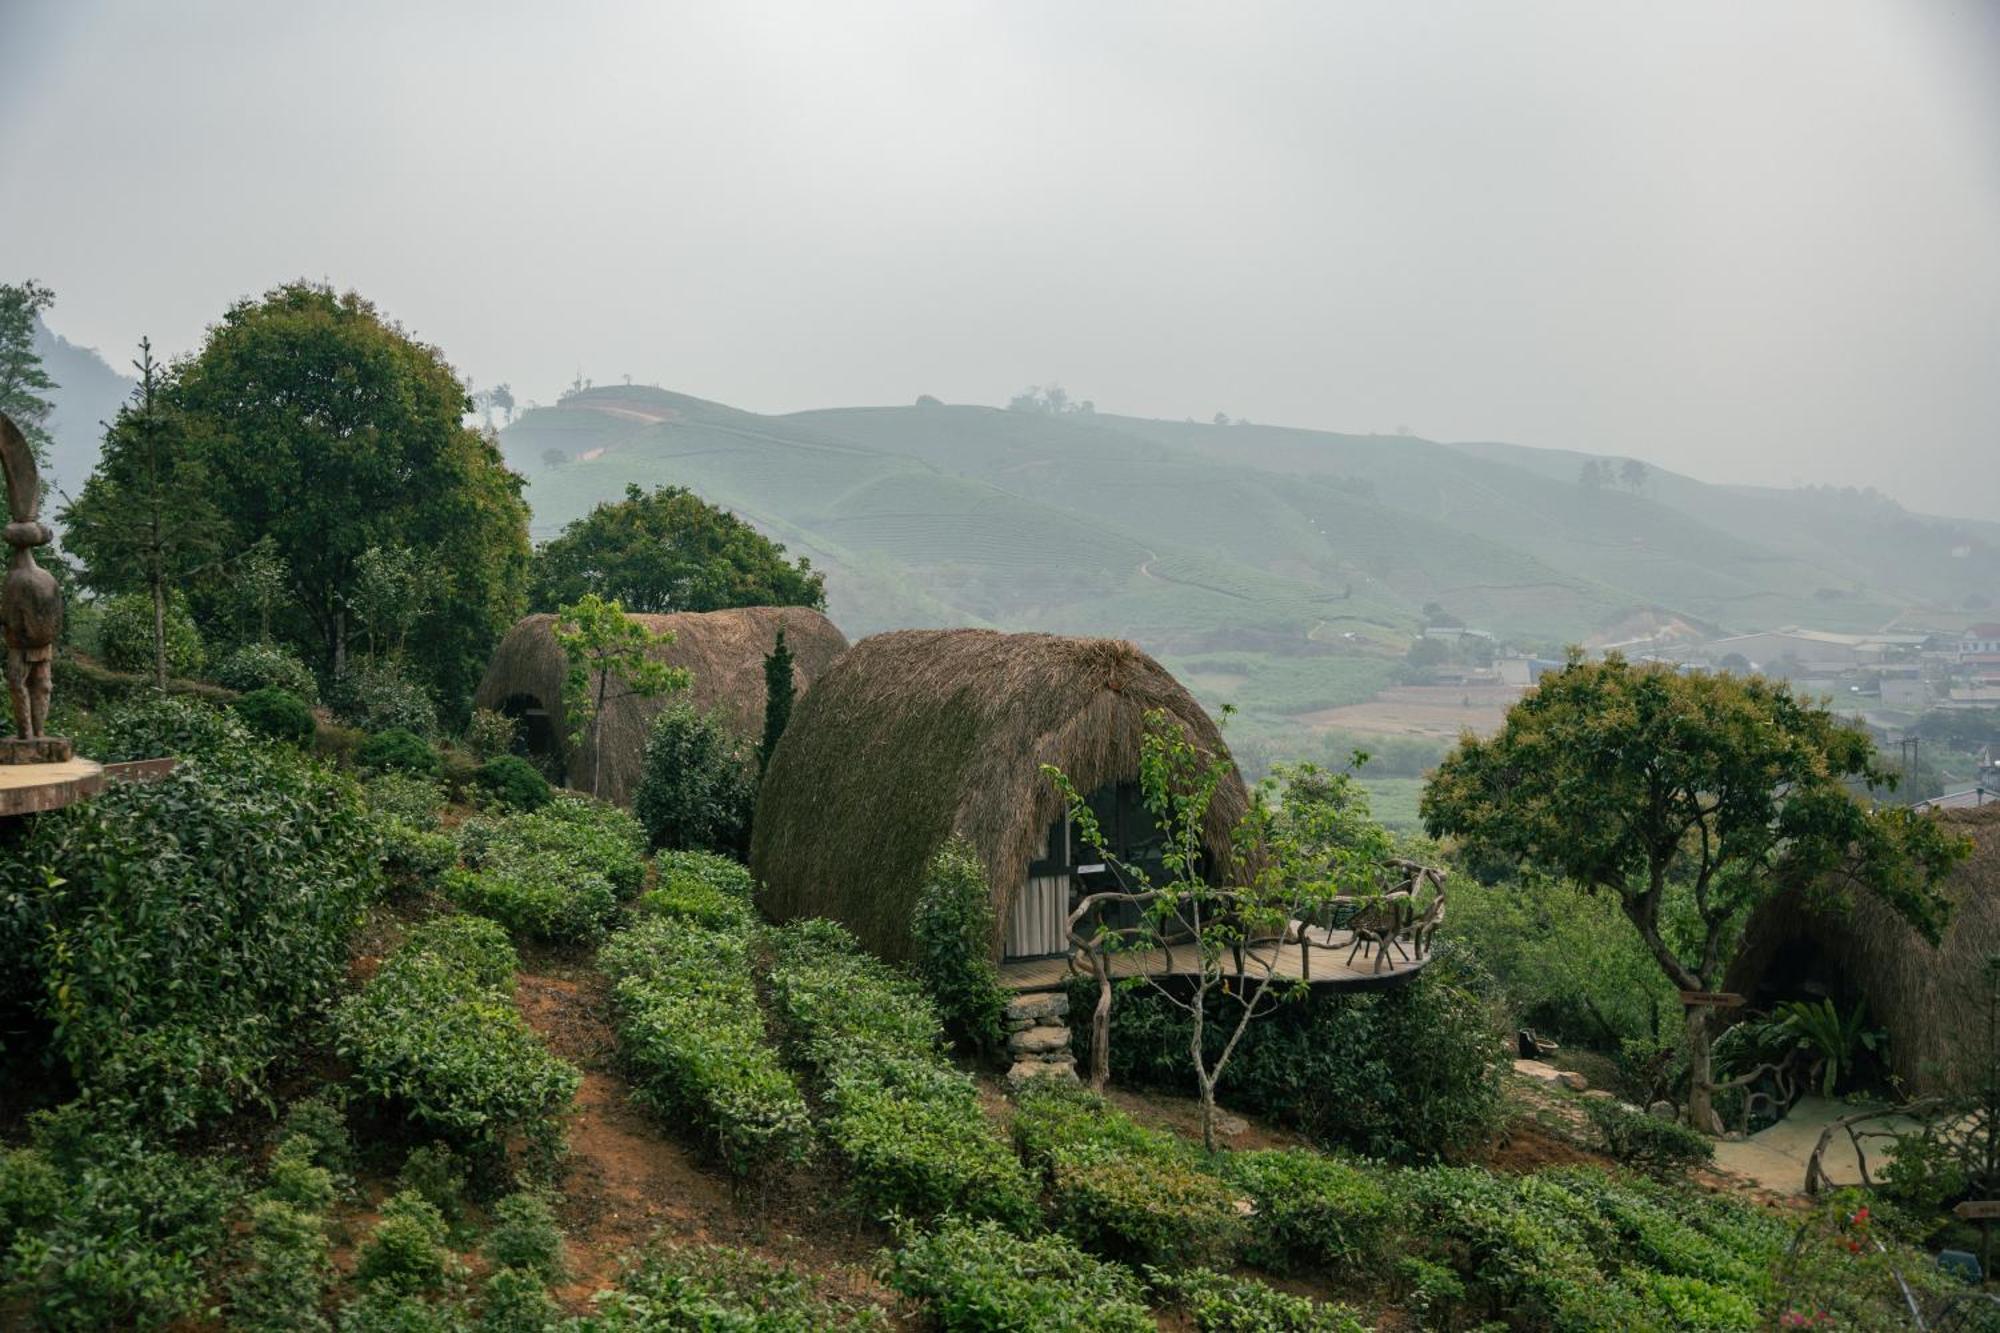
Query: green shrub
pixel 385 1310
pixel 909 1125
pixel 512 1301
pixel 274 713
pixel 513 782
pixel 177 936
pixel 589 835
pixel 720 873
pixel 1122 1190
pixel 407 798
pixel 154 726
pixel 1645 1141
pixel 697 786
pixel 377 697
pixel 692 1033
pixel 287 1273
pixel 128 1237
pixel 436 1035
pixel 436 1174
pixel 294 1176
pixel 727 1290
pixel 490 734
pixel 471 944
pixel 978 1277
pixel 540 895
pixel 953 930
pixel 696 900
pixel 1219 1303
pixel 399 750
pixel 405 1252
pixel 321 1120
pixel 1312 1212
pixel 257 666
pixel 524 1236
pixel 414 860
pixel 125 636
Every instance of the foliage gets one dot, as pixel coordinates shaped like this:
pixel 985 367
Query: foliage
pixel 390 591
pixel 321 1120
pixel 174 937
pixel 779 690
pixel 1219 1303
pixel 696 788
pixel 24 385
pixel 718 872
pixel 274 713
pixel 329 431
pixel 909 1125
pixel 952 930
pixel 436 1035
pixel 125 636
pixel 407 798
pixel 706 1287
pixel 406 1252
pixel 591 836
pixel 1122 1190
pixel 669 551
pixel 1834 1039
pixel 376 695
pixel 610 656
pixel 512 1301
pixel 256 666
pixel 1313 1213
pixel 103 1228
pixel 490 734
pixel 979 1277
pixel 438 1176
pixel 414 859
pixel 698 901
pixel 692 1033
pixel 398 750
pixel 513 782
pixel 539 895
pixel 1725 783
pixel 288 1269
pixel 386 1310
pixel 525 1236
pixel 1647 1142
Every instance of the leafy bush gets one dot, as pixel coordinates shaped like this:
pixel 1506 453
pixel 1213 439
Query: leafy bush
pixel 412 859
pixel 321 1120
pixel 978 1277
pixel 406 797
pixel 1312 1212
pixel 1410 1074
pixel 909 1125
pixel 294 1176
pixel 437 1175
pixel 693 1035
pixel 103 1228
pixel 436 1035
pixel 153 726
pixel 257 666
pixel 489 734
pixel 386 1310
pixel 716 1287
pixel 176 936
pixel 274 713
pixel 405 1253
pixel 513 782
pixel 376 696
pixel 952 928
pixel 525 1236
pixel 399 750
pixel 1645 1141
pixel 289 1267
pixel 720 873
pixel 697 900
pixel 513 1301
pixel 125 636
pixel 1122 1190
pixel 697 787
pixel 1219 1303
pixel 541 896
pixel 594 837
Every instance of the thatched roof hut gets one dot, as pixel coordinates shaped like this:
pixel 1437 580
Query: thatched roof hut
pixel 917 735
pixel 1931 1001
pixel 724 650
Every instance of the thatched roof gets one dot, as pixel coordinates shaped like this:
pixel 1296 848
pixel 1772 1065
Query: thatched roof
pixel 1931 1001
pixel 724 650
pixel 919 734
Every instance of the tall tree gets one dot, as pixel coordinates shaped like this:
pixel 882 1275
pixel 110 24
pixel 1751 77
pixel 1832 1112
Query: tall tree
pixel 1640 782
pixel 610 657
pixel 144 518
pixel 779 688
pixel 332 431
pixel 24 385
pixel 667 551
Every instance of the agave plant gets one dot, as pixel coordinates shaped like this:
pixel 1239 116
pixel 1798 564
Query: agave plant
pixel 1831 1038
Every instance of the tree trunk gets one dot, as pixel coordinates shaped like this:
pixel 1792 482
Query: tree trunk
pixel 160 632
pixel 1208 1114
pixel 339 643
pixel 1100 1024
pixel 1701 1073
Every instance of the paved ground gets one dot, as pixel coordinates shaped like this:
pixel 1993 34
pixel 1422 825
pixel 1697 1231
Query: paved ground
pixel 1776 1157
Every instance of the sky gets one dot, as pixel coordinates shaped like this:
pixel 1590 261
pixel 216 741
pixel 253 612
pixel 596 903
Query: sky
pixel 1752 241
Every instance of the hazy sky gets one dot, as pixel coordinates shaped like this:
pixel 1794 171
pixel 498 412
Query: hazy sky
pixel 1753 240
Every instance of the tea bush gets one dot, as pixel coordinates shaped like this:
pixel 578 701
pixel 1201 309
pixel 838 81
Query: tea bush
pixel 524 1236
pixel 489 734
pixel 718 872
pixel 437 1175
pixel 385 1310
pixel 539 895
pixel 1313 1212
pixel 407 798
pixel 435 1034
pixel 153 726
pixel 274 713
pixel 287 1270
pixel 376 696
pixel 512 782
pixel 691 1031
pixel 952 928
pixel 406 1253
pixel 1647 1142
pixel 697 785
pixel 696 900
pixel 979 1277
pixel 125 636
pixel 175 937
pixel 257 666
pixel 908 1124
pixel 399 750
pixel 512 1301
pixel 716 1287
pixel 1121 1190
pixel 414 860
pixel 1219 1303
pixel 591 835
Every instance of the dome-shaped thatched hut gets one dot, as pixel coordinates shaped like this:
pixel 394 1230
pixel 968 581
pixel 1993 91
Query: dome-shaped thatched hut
pixel 724 650
pixel 1931 1001
pixel 918 735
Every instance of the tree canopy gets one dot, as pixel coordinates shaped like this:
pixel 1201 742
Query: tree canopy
pixel 666 551
pixel 24 385
pixel 1637 780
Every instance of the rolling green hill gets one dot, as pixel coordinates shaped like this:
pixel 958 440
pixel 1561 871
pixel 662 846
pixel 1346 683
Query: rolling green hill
pixel 1281 569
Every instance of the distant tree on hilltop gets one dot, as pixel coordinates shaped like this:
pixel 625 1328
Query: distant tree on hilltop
pixel 1050 400
pixel 1634 474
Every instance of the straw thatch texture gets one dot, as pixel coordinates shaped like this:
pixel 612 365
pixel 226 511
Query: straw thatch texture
pixel 919 734
pixel 1931 1001
pixel 724 650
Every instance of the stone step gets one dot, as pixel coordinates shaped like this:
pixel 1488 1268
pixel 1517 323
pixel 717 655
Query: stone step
pixel 1039 1040
pixel 1036 1006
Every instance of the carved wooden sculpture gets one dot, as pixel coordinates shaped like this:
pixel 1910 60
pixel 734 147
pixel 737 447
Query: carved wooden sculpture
pixel 31 607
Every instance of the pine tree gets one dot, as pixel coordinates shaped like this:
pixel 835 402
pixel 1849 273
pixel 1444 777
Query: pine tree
pixel 778 692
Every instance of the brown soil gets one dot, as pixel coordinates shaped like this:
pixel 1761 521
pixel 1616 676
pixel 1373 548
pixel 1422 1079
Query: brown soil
pixel 1527 1145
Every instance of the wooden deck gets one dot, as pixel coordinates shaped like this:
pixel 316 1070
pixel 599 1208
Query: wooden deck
pixel 1320 961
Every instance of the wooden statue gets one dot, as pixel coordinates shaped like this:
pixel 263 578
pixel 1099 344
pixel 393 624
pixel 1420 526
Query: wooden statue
pixel 31 607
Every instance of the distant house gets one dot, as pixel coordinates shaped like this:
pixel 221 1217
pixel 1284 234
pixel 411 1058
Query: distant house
pixel 1817 652
pixel 1979 646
